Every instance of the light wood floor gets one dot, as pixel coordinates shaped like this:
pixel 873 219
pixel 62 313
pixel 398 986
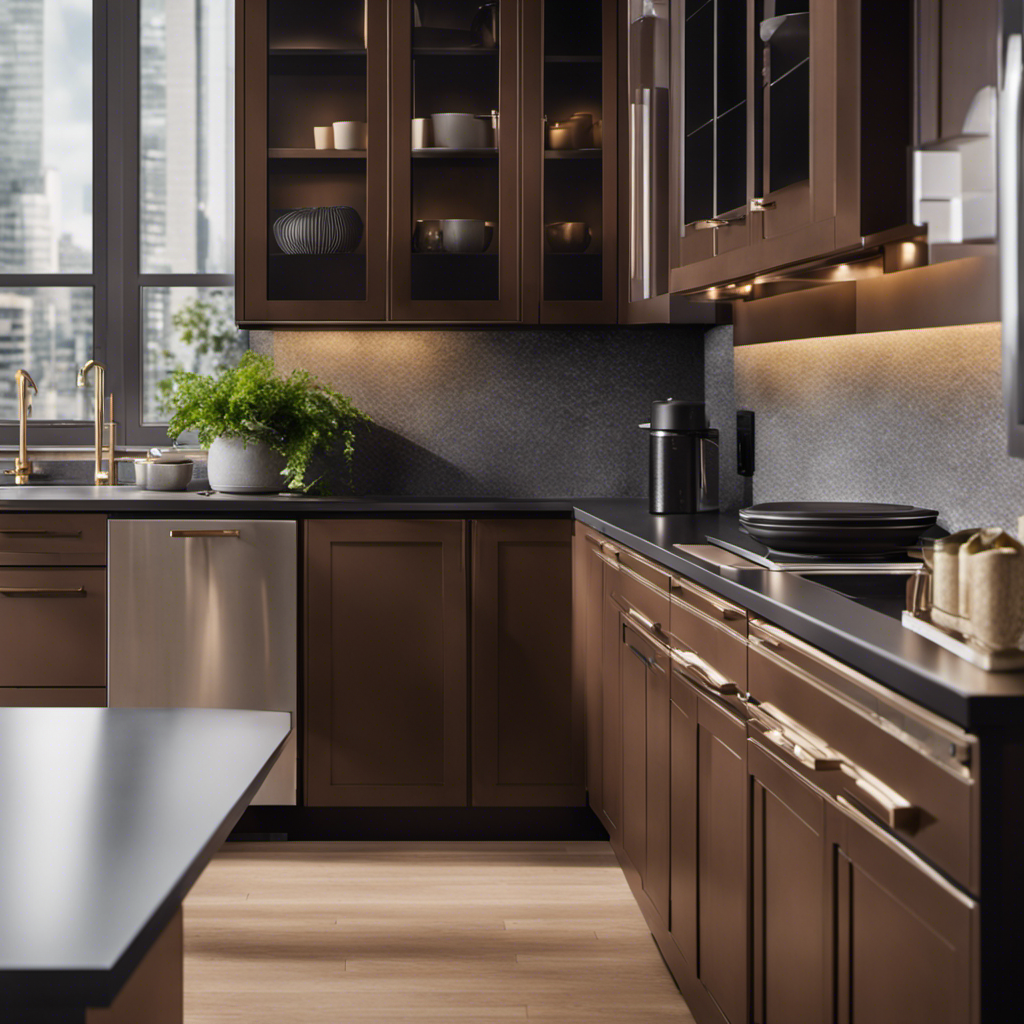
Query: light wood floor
pixel 394 932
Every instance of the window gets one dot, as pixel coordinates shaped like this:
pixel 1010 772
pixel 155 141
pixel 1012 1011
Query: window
pixel 116 204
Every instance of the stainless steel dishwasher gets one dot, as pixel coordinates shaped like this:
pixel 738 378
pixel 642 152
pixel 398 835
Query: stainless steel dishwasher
pixel 204 613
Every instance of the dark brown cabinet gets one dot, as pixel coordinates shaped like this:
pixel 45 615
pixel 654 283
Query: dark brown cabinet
pixel 302 64
pixel 394 621
pixel 528 714
pixel 791 898
pixel 905 937
pixel 385 674
pixel 792 138
pixel 53 605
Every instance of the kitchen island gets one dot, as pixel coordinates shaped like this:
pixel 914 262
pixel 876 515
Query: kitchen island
pixel 107 818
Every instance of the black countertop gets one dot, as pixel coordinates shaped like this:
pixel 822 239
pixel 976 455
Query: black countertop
pixel 129 500
pixel 107 818
pixel 861 636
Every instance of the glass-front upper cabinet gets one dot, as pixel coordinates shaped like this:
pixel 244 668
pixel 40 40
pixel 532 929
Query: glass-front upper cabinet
pixel 570 154
pixel 314 144
pixel 455 208
pixel 712 128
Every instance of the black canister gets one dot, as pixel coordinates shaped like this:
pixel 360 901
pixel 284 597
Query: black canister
pixel 684 458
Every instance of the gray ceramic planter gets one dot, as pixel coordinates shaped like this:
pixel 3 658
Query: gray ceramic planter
pixel 239 468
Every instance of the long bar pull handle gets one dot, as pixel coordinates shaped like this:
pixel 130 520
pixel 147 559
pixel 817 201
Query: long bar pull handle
pixel 883 802
pixel 42 533
pixel 205 533
pixel 654 627
pixel 691 663
pixel 807 750
pixel 42 591
pixel 728 612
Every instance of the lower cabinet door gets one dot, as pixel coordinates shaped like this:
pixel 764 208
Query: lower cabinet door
pixel 659 807
pixel 385 672
pixel 904 935
pixel 58 617
pixel 683 791
pixel 722 859
pixel 611 714
pixel 791 906
pixel 635 655
pixel 528 716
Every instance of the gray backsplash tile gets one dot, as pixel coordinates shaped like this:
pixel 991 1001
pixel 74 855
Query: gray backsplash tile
pixel 505 412
pixel 908 416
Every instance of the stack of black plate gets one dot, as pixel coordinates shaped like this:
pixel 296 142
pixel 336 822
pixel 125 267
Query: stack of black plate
pixel 845 528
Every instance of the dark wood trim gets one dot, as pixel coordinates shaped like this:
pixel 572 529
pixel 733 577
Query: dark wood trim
pixel 531 184
pixel 403 307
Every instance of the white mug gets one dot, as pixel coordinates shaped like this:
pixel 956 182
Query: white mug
pixel 323 137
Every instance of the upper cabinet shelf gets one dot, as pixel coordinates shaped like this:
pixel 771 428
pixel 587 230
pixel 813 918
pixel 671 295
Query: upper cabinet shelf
pixel 316 154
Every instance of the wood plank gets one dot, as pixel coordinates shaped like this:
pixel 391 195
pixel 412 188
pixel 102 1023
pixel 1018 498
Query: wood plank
pixel 402 932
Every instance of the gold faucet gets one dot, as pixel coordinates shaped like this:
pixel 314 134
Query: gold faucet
pixel 22 467
pixel 109 476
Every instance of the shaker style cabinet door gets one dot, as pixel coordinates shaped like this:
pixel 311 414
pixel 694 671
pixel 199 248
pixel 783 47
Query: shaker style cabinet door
pixel 455 195
pixel 385 673
pixel 791 905
pixel 528 712
pixel 312 222
pixel 905 937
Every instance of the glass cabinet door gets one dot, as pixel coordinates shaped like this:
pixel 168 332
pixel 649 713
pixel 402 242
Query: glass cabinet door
pixel 712 128
pixel 455 144
pixel 314 144
pixel 570 152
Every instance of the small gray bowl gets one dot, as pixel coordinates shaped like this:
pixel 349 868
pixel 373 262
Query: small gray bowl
pixel 168 476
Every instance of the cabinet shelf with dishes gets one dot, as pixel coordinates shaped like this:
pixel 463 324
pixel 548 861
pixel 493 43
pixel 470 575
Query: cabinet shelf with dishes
pixel 570 119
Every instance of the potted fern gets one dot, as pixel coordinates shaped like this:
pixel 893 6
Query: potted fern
pixel 262 430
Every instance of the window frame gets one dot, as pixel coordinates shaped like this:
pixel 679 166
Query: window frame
pixel 116 278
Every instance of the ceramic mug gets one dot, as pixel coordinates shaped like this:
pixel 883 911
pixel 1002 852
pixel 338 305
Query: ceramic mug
pixel 323 137
pixel 350 135
pixel 422 133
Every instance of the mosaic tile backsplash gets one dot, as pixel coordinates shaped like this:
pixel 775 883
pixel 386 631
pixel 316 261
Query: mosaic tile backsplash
pixel 509 412
pixel 907 416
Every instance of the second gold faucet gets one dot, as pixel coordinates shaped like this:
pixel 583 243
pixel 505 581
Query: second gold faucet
pixel 108 476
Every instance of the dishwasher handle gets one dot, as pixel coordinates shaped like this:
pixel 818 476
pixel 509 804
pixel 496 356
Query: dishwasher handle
pixel 189 534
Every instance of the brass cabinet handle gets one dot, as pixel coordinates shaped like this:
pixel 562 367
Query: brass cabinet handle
pixel 708 677
pixel 727 611
pixel 655 627
pixel 42 591
pixel 798 745
pixel 759 205
pixel 883 802
pixel 709 224
pixel 205 533
pixel 41 533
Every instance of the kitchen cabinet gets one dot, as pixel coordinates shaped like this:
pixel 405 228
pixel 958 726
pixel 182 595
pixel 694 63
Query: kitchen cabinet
pixel 570 67
pixel 53 606
pixel 482 183
pixel 527 707
pixel 385 666
pixel 301 64
pixel 792 138
pixel 790 880
pixel 905 937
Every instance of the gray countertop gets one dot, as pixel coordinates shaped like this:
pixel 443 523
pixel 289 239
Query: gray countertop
pixel 861 636
pixel 107 818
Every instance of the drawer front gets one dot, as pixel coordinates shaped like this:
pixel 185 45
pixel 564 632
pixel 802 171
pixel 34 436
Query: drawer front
pixel 715 641
pixel 52 697
pixel 928 804
pixel 641 590
pixel 38 538
pixel 57 618
pixel 732 617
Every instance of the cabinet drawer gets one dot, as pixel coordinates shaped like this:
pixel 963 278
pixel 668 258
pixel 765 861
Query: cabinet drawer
pixel 908 768
pixel 712 629
pixel 640 588
pixel 52 697
pixel 57 618
pixel 43 539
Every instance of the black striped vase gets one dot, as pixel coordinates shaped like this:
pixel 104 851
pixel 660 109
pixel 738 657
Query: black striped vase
pixel 318 230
